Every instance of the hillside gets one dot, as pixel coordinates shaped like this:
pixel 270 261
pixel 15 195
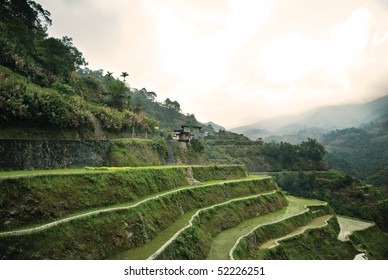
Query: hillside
pixel 90 168
pixel 229 147
pixel 46 90
pixel 360 152
pixel 169 213
pixel 347 196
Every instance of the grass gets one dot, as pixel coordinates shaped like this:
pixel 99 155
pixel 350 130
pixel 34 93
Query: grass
pixel 210 221
pixel 87 169
pixel 107 234
pixel 224 242
pixel 30 197
pixel 145 251
pixel 136 201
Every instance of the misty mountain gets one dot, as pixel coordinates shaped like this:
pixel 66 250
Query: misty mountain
pixel 315 123
pixel 215 126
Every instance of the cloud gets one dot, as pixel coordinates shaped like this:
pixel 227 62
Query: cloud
pixel 235 62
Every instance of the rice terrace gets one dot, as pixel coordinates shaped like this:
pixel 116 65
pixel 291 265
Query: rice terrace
pixel 290 164
pixel 167 212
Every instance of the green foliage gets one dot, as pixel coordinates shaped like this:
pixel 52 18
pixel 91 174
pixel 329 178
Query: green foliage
pixel 346 195
pixel 39 198
pixel 88 87
pixel 226 147
pixel 26 49
pixel 195 242
pixel 107 233
pixel 206 173
pixel 249 246
pixel 137 152
pixel 118 94
pixel 372 240
pixel 198 145
pixel 318 244
pixel 22 100
pixel 51 63
pixel 167 113
pixel 360 152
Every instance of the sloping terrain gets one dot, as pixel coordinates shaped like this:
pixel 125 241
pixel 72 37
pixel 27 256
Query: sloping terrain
pixel 175 212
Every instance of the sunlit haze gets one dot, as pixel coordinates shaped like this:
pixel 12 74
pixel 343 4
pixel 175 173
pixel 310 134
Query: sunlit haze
pixel 235 62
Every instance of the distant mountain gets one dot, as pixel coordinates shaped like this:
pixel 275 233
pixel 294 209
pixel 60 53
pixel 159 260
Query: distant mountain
pixel 301 135
pixel 215 126
pixel 256 133
pixel 317 122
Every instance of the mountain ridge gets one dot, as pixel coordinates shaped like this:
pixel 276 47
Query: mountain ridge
pixel 326 118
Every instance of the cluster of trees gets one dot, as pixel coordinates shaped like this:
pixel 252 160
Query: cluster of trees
pixel 168 113
pixel 230 147
pixel 26 48
pixel 360 152
pixel 60 106
pixel 308 155
pixel 42 81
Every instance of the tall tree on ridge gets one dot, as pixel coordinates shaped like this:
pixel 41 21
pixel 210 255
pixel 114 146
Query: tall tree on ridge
pixel 124 75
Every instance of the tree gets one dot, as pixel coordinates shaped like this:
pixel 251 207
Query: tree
pixel 78 58
pixel 124 75
pixel 25 48
pixel 311 149
pixel 33 16
pixel 172 105
pixel 118 92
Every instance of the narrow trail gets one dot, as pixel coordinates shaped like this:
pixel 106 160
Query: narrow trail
pixel 39 228
pixel 172 239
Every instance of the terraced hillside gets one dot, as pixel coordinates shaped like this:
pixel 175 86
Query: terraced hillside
pixel 181 212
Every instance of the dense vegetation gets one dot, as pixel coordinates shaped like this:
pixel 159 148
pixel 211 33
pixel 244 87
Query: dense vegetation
pixel 373 241
pixel 43 84
pixel 345 194
pixel 168 113
pixel 360 152
pixel 228 147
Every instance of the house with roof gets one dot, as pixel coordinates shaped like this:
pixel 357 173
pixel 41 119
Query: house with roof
pixel 186 133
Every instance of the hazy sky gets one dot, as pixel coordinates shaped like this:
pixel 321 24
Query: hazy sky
pixel 235 62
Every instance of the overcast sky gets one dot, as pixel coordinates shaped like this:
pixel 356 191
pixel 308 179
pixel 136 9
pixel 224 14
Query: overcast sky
pixel 235 62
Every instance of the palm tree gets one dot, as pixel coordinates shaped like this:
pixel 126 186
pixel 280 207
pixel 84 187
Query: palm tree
pixel 108 77
pixel 124 75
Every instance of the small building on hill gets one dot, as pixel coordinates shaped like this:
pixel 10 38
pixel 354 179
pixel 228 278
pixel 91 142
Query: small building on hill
pixel 186 133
